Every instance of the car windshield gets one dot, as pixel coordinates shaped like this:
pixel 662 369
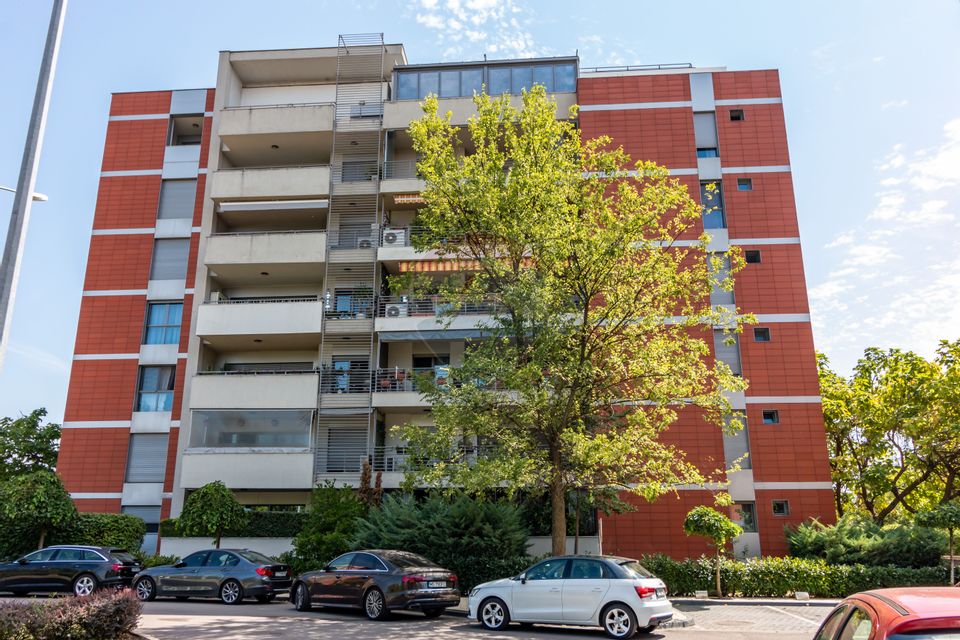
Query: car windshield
pixel 123 556
pixel 404 560
pixel 636 570
pixel 254 557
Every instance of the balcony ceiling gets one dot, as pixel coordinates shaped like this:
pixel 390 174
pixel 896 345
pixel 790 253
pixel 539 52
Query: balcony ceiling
pixel 239 275
pixel 294 149
pixel 299 66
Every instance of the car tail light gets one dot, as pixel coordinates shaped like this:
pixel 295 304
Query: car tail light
pixel 412 581
pixel 452 577
pixel 264 571
pixel 645 592
pixel 116 566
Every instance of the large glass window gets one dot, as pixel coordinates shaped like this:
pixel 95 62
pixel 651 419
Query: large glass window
pixel 169 259
pixel 522 79
pixel 407 85
pixel 156 389
pixel 499 81
pixel 449 84
pixel 429 83
pixel 267 428
pixel 471 81
pixel 565 78
pixel 177 199
pixel 711 197
pixel 551 569
pixel 543 74
pixel 163 323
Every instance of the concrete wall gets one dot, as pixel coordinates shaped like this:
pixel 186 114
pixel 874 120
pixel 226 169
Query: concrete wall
pixel 279 182
pixel 289 391
pixel 181 547
pixel 247 469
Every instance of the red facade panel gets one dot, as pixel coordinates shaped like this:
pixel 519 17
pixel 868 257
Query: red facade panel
pixel 737 85
pixel 794 450
pixel 93 460
pixel 664 136
pixel 785 366
pixel 768 211
pixel 804 504
pixel 760 139
pixel 655 527
pixel 110 324
pixel 135 145
pixel 119 262
pixel 775 284
pixel 140 103
pixel 634 88
pixel 127 202
pixel 101 390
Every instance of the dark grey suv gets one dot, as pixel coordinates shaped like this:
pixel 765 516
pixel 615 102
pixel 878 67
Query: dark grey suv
pixel 81 569
pixel 228 574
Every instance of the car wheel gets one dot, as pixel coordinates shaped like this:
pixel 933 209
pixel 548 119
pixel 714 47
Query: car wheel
pixel 231 592
pixel 84 585
pixel 301 598
pixel 433 612
pixel 267 598
pixel 618 621
pixel 374 605
pixel 494 614
pixel 146 589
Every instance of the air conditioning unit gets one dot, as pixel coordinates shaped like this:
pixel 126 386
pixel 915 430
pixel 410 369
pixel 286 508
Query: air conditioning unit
pixel 396 310
pixel 394 237
pixel 217 296
pixel 364 243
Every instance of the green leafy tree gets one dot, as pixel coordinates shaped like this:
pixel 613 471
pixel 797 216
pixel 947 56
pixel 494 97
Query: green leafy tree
pixel 601 321
pixel 330 525
pixel 211 510
pixel 28 444
pixel 35 504
pixel 893 431
pixel 944 516
pixel 709 523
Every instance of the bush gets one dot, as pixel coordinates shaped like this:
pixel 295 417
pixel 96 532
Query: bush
pixel 261 524
pixel 329 527
pixel 858 540
pixel 782 577
pixel 106 615
pixel 477 540
pixel 147 561
pixel 98 529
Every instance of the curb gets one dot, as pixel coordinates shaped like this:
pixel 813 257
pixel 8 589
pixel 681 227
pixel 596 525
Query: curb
pixel 755 602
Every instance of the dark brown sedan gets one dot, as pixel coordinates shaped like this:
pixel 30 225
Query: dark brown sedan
pixel 378 582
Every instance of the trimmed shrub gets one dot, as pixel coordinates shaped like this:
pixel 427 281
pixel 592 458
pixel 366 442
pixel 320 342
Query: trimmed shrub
pixel 154 561
pixel 111 530
pixel 782 577
pixel 859 540
pixel 261 524
pixel 329 528
pixel 107 615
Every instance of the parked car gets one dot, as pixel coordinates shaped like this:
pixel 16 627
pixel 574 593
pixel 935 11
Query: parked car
pixel 615 593
pixel 78 568
pixel 919 613
pixel 228 574
pixel 378 581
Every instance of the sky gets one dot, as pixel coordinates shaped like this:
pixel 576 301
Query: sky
pixel 870 89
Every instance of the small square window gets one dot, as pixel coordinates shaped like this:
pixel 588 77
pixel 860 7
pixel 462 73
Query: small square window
pixel 781 508
pixel 744 184
pixel 736 115
pixel 761 334
pixel 708 152
pixel 752 256
pixel 771 416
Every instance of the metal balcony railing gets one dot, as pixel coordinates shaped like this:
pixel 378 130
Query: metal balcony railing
pixel 352 380
pixel 352 238
pixel 355 171
pixel 279 105
pixel 332 459
pixel 261 299
pixel 409 306
pixel 400 170
pixel 258 372
pixel 356 308
pixel 391 236
pixel 399 380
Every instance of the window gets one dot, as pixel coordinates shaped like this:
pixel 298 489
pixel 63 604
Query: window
pixel 543 75
pixel 522 78
pixel 745 514
pixel 832 623
pixel 92 556
pixel 184 130
pixel 471 82
pixel 163 323
pixel 858 626
pixel 761 334
pixel 147 457
pixel 499 81
pixel 41 556
pixel 564 78
pixel 752 256
pixel 71 555
pixel 589 570
pixel 196 559
pixel 449 84
pixel 744 184
pixel 407 85
pixel 429 83
pixel 736 442
pixel 705 130
pixel 781 507
pixel 366 562
pixel 156 389
pixel 736 115
pixel 727 349
pixel 711 197
pixel 169 259
pixel 708 153
pixel 341 563
pixel 771 416
pixel 251 428
pixel 719 267
pixel 149 515
pixel 511 79
pixel 222 559
pixel 547 570
pixel 177 199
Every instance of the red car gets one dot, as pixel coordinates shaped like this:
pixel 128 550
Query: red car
pixel 921 613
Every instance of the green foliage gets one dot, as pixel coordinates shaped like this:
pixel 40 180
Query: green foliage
pixel 709 523
pixel 106 615
pixel 118 530
pixel 944 516
pixel 148 561
pixel 260 524
pixel 587 300
pixel 857 539
pixel 211 510
pixel 33 505
pixel 781 577
pixel 893 431
pixel 477 540
pixel 329 527
pixel 26 445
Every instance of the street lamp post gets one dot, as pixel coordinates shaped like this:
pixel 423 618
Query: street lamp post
pixel 37 197
pixel 24 194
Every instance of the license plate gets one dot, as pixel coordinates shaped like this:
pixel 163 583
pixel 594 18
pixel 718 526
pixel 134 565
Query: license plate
pixel 281 574
pixel 436 585
pixel 661 593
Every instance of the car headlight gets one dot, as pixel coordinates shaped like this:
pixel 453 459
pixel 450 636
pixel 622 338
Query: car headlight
pixel 473 592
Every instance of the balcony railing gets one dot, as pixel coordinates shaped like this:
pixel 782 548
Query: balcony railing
pixel 353 380
pixel 400 170
pixel 355 308
pixel 408 380
pixel 279 105
pixel 352 238
pixel 262 300
pixel 349 459
pixel 257 372
pixel 409 306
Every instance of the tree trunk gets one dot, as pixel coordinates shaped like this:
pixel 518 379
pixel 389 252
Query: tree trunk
pixel 216 544
pixel 952 563
pixel 558 506
pixel 838 499
pixel 43 537
pixel 576 524
pixel 719 592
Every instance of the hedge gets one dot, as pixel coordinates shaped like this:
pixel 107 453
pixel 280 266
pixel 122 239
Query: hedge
pixel 106 615
pixel 782 577
pixel 261 524
pixel 98 529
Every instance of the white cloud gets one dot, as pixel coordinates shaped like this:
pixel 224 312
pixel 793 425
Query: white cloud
pixel 841 240
pixel 940 167
pixel 889 207
pixel 868 255
pixel 894 104
pixel 474 27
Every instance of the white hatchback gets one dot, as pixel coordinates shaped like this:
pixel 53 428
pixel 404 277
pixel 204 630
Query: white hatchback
pixel 615 593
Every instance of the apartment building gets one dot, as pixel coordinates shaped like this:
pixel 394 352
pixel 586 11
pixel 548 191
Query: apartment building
pixel 235 323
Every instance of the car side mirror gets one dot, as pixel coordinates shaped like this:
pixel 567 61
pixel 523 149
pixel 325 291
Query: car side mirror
pixel 180 565
pixel 22 560
pixel 327 569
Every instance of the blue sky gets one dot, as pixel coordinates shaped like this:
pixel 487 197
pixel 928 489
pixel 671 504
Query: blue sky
pixel 870 90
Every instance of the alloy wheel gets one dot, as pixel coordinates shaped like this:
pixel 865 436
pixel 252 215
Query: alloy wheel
pixel 230 592
pixel 144 589
pixel 617 622
pixel 492 614
pixel 84 585
pixel 301 599
pixel 373 604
